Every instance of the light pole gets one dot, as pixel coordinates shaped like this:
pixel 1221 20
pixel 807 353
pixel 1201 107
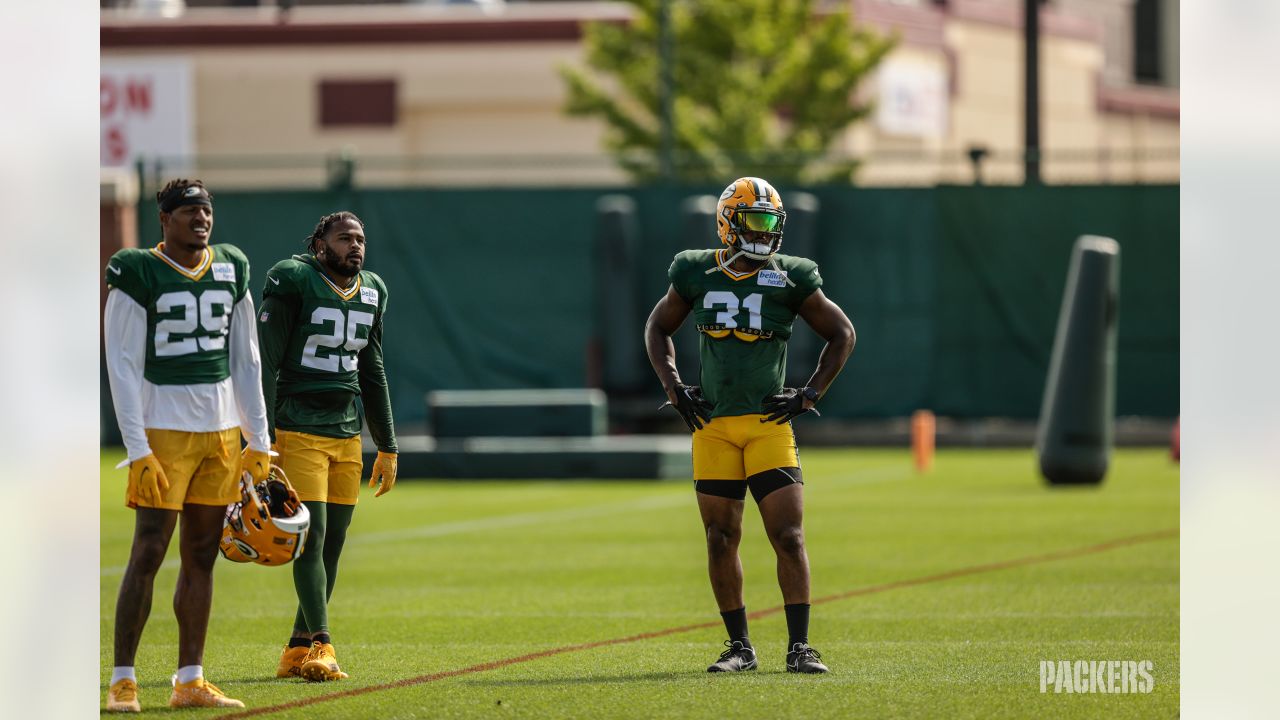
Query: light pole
pixel 666 90
pixel 1031 91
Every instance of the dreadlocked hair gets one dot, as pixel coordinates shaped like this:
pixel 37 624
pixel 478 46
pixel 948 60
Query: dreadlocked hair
pixel 327 222
pixel 177 186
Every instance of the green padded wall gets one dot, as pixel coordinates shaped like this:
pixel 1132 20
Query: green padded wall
pixel 566 412
pixel 953 290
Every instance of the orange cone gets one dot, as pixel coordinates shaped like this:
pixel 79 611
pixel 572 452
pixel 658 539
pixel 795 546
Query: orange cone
pixel 923 433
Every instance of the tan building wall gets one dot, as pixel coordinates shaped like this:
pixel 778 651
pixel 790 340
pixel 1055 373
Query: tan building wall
pixel 1115 19
pixel 1092 130
pixel 988 107
pixel 488 111
pixel 466 106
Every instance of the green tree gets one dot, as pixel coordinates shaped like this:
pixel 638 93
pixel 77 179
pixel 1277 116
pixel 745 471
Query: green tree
pixel 760 87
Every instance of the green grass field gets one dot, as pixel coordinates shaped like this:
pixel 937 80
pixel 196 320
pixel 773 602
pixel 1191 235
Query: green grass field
pixel 444 576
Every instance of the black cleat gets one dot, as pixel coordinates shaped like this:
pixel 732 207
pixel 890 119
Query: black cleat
pixel 737 658
pixel 804 659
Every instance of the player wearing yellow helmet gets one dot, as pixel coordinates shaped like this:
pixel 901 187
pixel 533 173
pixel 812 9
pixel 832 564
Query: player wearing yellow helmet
pixel 744 298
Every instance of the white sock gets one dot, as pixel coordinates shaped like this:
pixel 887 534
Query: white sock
pixel 187 673
pixel 122 672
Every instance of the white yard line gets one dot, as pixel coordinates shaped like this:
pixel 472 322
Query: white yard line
pixel 487 523
pixel 520 519
pixel 876 474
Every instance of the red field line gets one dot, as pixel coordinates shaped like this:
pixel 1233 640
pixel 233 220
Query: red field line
pixel 869 590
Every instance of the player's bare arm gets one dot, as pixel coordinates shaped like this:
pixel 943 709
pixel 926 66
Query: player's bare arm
pixel 687 400
pixel 667 317
pixel 829 321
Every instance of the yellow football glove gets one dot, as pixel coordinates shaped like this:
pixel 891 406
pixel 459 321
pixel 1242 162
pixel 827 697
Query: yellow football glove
pixel 384 467
pixel 147 482
pixel 256 463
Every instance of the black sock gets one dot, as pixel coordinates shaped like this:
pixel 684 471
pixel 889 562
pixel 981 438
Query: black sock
pixel 299 642
pixel 797 624
pixel 735 621
pixel 323 637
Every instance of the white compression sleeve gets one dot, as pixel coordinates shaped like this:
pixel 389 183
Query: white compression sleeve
pixel 246 375
pixel 124 333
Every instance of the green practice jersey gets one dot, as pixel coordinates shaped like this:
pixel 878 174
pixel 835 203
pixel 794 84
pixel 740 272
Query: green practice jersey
pixel 744 321
pixel 321 349
pixel 188 309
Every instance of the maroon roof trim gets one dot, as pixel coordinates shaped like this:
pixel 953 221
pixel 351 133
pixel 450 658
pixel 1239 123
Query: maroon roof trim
pixel 1140 100
pixel 166 34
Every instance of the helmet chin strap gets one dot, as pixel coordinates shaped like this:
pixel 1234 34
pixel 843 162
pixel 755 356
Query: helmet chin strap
pixel 771 259
pixel 724 265
pixel 773 262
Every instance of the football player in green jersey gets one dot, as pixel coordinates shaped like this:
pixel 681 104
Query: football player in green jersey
pixel 321 334
pixel 744 298
pixel 182 357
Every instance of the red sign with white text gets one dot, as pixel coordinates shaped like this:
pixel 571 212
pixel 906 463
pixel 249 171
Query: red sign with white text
pixel 146 110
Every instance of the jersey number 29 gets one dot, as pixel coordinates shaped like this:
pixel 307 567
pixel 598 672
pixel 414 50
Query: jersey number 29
pixel 212 313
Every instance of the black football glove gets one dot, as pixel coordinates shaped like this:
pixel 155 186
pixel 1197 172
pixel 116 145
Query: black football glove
pixel 693 408
pixel 785 406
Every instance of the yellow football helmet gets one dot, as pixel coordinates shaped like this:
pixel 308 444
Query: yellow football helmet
pixel 269 525
pixel 751 205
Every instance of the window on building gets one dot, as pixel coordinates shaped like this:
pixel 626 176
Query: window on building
pixel 1147 65
pixel 347 103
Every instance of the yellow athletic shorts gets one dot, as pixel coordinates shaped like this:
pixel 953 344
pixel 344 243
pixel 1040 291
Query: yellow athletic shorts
pixel 203 468
pixel 321 468
pixel 739 446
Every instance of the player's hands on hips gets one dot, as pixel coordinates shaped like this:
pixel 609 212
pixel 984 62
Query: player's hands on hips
pixel 786 405
pixel 692 406
pixel 147 482
pixel 257 463
pixel 384 468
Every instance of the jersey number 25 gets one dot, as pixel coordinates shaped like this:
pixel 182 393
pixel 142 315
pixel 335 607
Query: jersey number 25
pixel 344 335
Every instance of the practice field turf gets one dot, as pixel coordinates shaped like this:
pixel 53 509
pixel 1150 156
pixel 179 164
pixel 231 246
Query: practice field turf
pixel 935 596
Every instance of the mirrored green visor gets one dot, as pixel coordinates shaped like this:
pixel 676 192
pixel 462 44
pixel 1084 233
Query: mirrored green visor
pixel 758 221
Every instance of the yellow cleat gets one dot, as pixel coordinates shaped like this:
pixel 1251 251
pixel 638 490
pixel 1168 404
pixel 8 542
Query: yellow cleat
pixel 322 664
pixel 200 693
pixel 291 661
pixel 123 697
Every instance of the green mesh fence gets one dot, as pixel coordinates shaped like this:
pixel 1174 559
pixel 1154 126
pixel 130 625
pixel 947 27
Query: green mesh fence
pixel 954 291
